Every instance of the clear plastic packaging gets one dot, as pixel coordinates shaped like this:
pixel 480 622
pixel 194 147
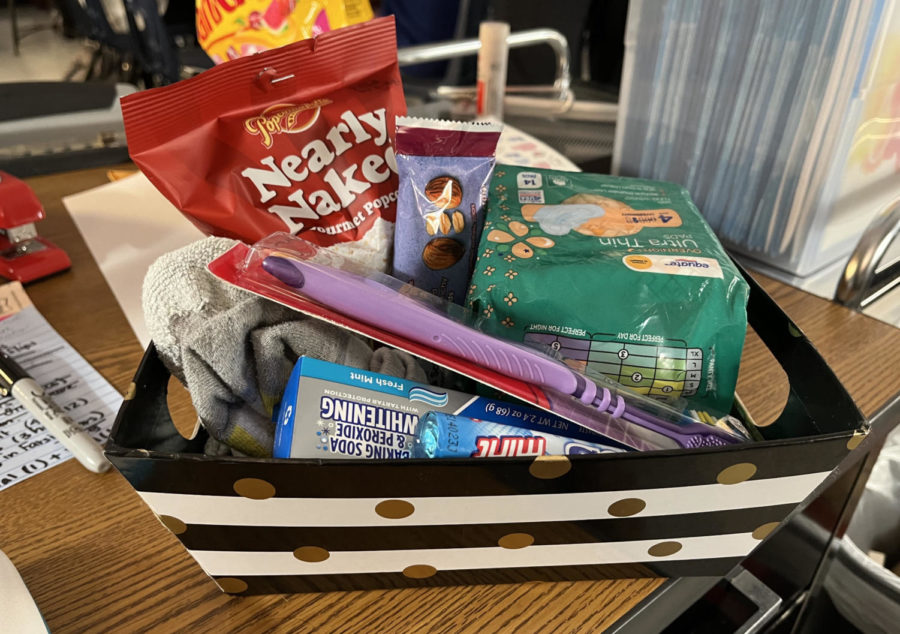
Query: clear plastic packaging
pixel 444 169
pixel 322 284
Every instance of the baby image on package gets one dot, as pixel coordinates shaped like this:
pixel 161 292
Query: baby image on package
pixel 619 277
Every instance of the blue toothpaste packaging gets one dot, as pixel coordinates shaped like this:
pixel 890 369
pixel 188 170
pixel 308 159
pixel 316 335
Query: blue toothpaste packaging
pixel 335 411
pixel 448 436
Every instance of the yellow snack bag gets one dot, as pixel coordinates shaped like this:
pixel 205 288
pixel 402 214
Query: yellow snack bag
pixel 228 29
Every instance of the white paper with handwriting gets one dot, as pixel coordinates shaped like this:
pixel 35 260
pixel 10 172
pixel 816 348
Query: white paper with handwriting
pixel 26 448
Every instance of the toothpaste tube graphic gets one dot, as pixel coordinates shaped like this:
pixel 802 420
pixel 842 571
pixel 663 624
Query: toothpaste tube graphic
pixel 429 397
pixel 447 436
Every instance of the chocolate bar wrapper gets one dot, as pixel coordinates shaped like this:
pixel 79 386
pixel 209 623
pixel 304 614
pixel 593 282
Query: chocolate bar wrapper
pixel 444 169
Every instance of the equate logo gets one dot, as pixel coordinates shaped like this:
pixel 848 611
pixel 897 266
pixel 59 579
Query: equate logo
pixel 667 265
pixel 284 118
pixel 689 262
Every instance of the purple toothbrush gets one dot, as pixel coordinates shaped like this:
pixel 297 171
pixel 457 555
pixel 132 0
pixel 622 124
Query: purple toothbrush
pixel 378 305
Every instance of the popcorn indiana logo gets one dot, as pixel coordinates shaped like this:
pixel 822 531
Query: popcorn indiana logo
pixel 285 118
pixel 507 446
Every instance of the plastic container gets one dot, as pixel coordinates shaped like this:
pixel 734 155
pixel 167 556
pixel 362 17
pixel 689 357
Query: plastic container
pixel 261 526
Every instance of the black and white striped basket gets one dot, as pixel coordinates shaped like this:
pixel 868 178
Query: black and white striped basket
pixel 276 526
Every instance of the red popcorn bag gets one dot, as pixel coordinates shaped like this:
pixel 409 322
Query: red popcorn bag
pixel 297 139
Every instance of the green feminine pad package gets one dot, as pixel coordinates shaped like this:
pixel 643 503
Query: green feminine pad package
pixel 619 277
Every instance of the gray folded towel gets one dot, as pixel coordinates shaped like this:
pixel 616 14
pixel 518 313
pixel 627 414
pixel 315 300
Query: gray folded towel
pixel 234 350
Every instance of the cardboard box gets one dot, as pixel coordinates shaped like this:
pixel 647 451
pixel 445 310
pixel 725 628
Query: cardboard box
pixel 277 526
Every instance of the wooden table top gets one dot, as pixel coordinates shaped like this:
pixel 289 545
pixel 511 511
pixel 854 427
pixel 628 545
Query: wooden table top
pixel 95 557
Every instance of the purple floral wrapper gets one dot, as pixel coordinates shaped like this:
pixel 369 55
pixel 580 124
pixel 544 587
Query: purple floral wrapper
pixel 444 169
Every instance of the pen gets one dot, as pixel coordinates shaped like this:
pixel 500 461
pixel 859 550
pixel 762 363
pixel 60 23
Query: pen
pixel 15 382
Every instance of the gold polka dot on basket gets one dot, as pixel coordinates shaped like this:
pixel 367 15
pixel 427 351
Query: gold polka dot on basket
pixel 394 509
pixel 550 467
pixel 626 507
pixel 420 571
pixel 514 541
pixel 231 585
pixel 254 488
pixel 311 554
pixel 664 549
pixel 736 473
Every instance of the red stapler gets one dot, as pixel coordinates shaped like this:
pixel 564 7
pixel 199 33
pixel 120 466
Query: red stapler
pixel 24 255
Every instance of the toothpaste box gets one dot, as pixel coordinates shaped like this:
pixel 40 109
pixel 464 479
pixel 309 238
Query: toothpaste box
pixel 335 411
